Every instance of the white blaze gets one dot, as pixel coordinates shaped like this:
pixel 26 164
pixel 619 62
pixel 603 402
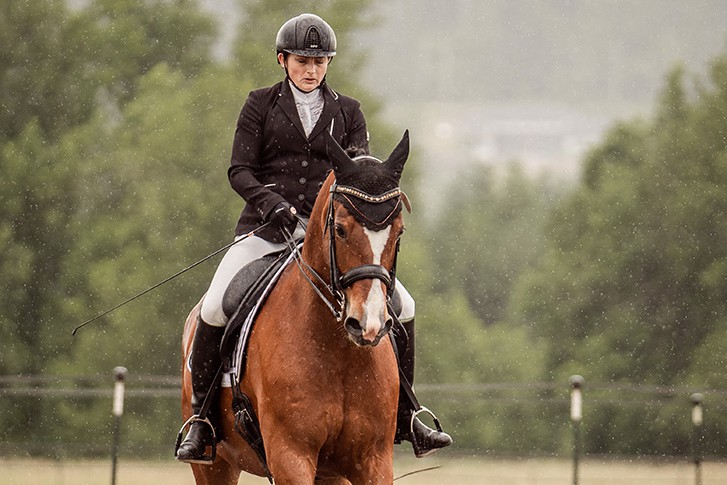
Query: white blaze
pixel 376 300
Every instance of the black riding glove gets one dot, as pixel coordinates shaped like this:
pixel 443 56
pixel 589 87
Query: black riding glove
pixel 283 216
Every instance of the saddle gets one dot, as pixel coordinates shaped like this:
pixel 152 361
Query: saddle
pixel 247 291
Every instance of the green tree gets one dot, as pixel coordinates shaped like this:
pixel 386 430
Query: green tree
pixel 152 203
pixel 490 231
pixel 40 182
pixel 46 67
pixel 139 35
pixel 54 61
pixel 51 81
pixel 32 218
pixel 460 269
pixel 627 289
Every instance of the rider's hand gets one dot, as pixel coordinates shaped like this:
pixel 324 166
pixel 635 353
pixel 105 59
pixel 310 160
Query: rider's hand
pixel 283 216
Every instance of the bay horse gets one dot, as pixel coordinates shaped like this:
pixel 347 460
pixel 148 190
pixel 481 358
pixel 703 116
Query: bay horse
pixel 321 372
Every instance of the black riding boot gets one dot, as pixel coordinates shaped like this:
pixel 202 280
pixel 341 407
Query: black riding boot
pixel 424 439
pixel 206 361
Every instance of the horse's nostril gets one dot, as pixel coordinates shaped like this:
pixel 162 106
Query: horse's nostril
pixel 353 326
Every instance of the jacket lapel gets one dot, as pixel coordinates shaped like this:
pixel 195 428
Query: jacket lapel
pixel 331 107
pixel 287 103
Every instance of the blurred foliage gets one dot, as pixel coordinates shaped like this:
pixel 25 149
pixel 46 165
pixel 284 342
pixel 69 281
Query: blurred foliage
pixel 116 125
pixel 36 82
pixel 631 284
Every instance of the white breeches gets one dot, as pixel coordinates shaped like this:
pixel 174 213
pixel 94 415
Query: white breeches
pixel 239 255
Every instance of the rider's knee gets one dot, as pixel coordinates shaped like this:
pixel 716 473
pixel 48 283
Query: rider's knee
pixel 212 314
pixel 407 303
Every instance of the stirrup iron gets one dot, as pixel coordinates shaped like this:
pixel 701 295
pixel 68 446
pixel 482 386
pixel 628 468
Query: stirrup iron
pixel 437 424
pixel 204 459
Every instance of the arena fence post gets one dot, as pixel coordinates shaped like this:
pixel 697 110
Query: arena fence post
pixel 697 421
pixel 118 411
pixel 576 416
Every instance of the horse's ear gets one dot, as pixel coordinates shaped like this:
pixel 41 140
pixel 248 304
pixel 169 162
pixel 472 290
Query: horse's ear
pixel 339 158
pixel 399 155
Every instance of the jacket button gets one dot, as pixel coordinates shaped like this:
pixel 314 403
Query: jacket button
pixel 304 163
pixel 302 181
pixel 301 197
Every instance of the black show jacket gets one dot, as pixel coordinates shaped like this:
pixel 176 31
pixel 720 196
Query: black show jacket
pixel 273 160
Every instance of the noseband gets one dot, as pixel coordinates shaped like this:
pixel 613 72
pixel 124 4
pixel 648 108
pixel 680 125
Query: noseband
pixel 341 281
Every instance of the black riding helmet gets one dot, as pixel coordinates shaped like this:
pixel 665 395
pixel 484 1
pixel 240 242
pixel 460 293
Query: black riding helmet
pixel 306 35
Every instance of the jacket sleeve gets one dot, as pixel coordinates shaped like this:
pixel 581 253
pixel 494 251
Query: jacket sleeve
pixel 358 135
pixel 246 158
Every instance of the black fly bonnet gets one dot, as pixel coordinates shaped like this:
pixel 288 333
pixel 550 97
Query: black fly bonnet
pixel 369 188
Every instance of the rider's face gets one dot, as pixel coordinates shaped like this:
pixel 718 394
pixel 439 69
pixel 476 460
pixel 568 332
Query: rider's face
pixel 305 72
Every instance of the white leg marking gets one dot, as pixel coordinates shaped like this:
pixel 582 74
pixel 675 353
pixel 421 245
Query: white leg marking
pixel 375 305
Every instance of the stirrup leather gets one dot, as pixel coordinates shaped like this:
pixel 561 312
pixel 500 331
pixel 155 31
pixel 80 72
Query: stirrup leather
pixel 204 459
pixel 422 409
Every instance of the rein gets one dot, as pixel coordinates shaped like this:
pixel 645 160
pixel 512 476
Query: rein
pixel 303 266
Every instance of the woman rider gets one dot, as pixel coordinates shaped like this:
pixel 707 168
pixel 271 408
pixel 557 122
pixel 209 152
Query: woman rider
pixel 278 165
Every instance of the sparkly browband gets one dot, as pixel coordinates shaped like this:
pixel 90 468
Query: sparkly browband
pixel 375 199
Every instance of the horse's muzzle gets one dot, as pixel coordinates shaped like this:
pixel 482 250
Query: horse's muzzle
pixel 364 339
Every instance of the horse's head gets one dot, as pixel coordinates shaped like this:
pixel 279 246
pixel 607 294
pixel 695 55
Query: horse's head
pixel 363 225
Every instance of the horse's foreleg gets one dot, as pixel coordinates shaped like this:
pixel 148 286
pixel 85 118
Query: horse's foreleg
pixel 219 473
pixel 332 481
pixel 291 467
pixel 373 470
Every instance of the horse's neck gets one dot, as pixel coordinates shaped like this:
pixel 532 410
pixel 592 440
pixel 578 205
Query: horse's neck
pixel 310 308
pixel 315 255
pixel 316 247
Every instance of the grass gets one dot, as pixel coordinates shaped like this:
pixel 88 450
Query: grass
pixel 452 471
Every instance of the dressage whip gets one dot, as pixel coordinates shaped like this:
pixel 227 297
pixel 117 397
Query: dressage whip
pixel 418 471
pixel 168 279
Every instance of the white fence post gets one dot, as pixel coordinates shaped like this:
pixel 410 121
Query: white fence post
pixel 118 410
pixel 576 416
pixel 697 420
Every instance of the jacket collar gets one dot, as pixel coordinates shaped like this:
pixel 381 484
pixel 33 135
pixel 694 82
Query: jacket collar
pixel 331 107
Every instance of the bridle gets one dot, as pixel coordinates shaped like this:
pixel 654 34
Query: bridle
pixel 339 281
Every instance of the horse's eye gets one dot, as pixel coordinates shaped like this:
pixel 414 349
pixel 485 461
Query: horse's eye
pixel 340 231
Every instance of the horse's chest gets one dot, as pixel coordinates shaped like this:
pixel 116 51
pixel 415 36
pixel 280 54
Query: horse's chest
pixel 338 387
